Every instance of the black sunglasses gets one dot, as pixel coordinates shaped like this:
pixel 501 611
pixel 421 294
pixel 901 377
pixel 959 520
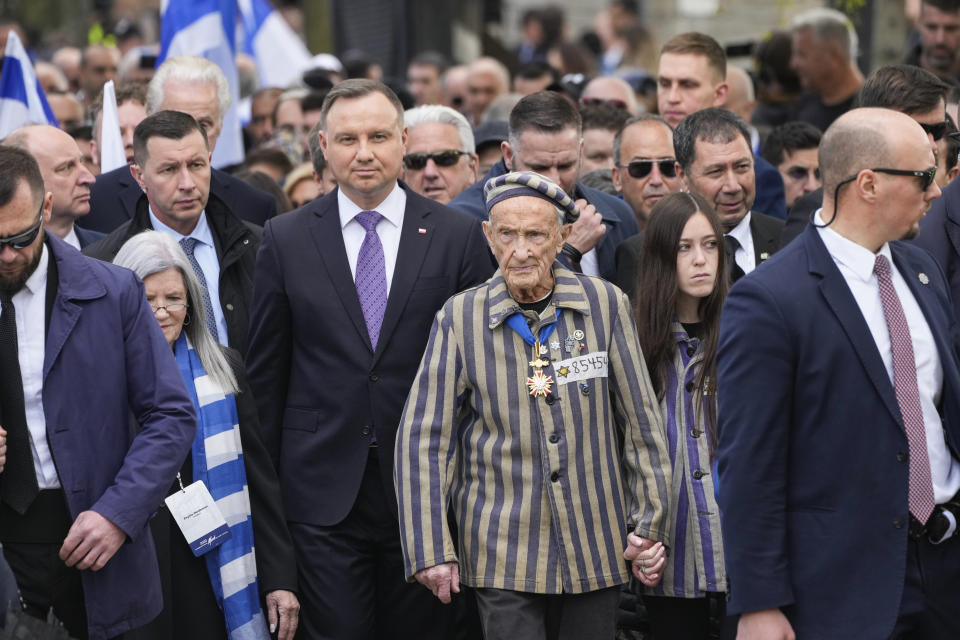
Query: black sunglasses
pixel 613 102
pixel 417 161
pixel 641 168
pixel 927 176
pixel 25 238
pixel 937 130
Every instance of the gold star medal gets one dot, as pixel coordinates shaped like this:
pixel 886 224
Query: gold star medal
pixel 539 384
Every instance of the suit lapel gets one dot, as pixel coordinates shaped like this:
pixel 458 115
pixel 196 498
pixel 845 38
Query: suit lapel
pixel 839 298
pixel 764 243
pixel 415 237
pixel 328 237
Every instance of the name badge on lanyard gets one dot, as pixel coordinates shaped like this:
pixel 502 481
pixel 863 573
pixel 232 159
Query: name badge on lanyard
pixel 198 517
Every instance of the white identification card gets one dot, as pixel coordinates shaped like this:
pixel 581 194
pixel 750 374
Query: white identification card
pixel 589 365
pixel 199 518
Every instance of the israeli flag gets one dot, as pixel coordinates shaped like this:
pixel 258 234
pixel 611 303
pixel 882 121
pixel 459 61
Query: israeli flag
pixel 21 98
pixel 205 28
pixel 112 154
pixel 280 54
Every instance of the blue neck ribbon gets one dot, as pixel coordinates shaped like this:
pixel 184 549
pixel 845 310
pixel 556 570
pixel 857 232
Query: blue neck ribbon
pixel 518 322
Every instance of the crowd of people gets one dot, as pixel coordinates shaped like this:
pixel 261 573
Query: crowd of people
pixel 626 344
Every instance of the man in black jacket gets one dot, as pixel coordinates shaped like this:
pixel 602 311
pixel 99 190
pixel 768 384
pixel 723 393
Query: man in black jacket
pixel 195 86
pixel 172 167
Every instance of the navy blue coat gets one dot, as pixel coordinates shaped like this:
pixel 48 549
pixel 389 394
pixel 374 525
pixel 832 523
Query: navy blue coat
pixel 771 197
pixel 940 235
pixel 105 359
pixel 813 483
pixel 617 216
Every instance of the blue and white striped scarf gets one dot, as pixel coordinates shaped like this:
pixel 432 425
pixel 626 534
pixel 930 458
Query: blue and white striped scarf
pixel 218 462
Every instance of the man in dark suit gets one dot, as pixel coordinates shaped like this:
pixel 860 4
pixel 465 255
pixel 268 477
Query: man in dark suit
pixel 195 86
pixel 345 293
pixel 172 170
pixel 545 137
pixel 940 235
pixel 839 412
pixel 904 88
pixel 80 353
pixel 714 160
pixel 64 175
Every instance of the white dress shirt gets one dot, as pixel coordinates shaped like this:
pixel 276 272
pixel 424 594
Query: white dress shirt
pixel 388 229
pixel 72 239
pixel 206 254
pixel 31 311
pixel 745 257
pixel 856 264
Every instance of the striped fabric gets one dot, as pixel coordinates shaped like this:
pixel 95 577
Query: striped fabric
pixel 695 563
pixel 218 462
pixel 542 494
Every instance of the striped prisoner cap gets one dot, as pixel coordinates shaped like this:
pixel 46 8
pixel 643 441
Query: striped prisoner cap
pixel 528 183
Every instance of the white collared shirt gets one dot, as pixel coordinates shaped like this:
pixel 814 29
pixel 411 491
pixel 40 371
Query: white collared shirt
pixel 206 253
pixel 31 311
pixel 856 264
pixel 745 257
pixel 72 239
pixel 388 229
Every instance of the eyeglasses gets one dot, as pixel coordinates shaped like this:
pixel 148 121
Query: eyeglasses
pixel 641 168
pixel 175 307
pixel 937 130
pixel 926 177
pixel 802 173
pixel 613 102
pixel 24 239
pixel 446 158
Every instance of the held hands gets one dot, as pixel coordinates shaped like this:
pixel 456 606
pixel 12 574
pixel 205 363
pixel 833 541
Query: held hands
pixel 283 613
pixel 91 541
pixel 769 624
pixel 442 579
pixel 648 558
pixel 3 449
pixel 588 229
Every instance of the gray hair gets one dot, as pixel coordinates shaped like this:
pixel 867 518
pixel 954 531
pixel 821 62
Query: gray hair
pixel 829 25
pixel 643 117
pixel 439 114
pixel 153 252
pixel 188 69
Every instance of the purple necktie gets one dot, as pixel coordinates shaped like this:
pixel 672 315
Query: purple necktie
pixel 908 397
pixel 371 278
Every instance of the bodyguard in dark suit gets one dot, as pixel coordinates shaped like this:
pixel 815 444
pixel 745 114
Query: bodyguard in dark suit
pixel 545 137
pixel 839 412
pixel 940 235
pixel 345 293
pixel 197 87
pixel 80 352
pixel 224 248
pixel 64 175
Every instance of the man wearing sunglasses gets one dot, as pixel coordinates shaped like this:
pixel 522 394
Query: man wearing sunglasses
pixel 440 161
pixel 80 354
pixel 839 392
pixel 910 90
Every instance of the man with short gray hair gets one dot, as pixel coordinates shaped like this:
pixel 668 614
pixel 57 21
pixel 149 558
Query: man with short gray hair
pixel 440 160
pixel 197 87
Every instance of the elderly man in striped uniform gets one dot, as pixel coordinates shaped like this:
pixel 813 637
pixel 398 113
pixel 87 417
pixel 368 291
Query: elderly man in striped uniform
pixel 533 418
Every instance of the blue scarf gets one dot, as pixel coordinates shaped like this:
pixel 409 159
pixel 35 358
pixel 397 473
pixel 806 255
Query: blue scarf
pixel 218 462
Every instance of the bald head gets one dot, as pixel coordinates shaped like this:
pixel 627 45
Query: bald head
pixel 608 88
pixel 856 141
pixel 487 80
pixel 741 98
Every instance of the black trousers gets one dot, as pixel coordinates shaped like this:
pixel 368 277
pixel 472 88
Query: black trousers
pixel 514 615
pixel 351 578
pixel 931 592
pixel 690 618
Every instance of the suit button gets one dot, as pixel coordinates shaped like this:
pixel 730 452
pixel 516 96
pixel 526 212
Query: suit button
pixel 551 399
pixel 555 476
pixel 898 523
pixel 229 307
pixel 374 377
pixel 901 456
pixel 554 438
pixel 691 350
pixel 697 473
pixel 365 431
pixel 689 387
pixel 695 433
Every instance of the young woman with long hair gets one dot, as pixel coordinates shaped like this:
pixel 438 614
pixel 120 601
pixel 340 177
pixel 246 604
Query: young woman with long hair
pixel 682 284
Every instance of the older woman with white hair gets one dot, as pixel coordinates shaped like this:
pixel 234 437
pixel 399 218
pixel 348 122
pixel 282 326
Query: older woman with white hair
pixel 206 596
